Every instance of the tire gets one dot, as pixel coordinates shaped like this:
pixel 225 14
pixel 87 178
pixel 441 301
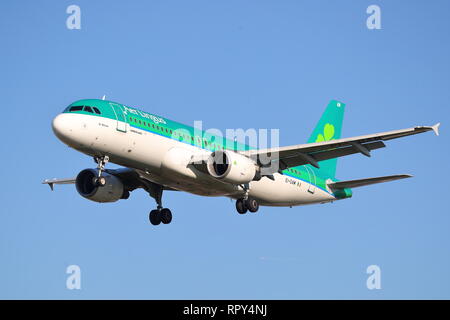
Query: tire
pixel 240 206
pixel 252 205
pixel 154 217
pixel 166 216
pixel 100 181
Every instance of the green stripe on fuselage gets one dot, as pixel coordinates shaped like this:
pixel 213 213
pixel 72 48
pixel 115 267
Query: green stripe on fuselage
pixel 162 126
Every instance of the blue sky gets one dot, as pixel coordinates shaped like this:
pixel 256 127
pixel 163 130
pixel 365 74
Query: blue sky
pixel 232 64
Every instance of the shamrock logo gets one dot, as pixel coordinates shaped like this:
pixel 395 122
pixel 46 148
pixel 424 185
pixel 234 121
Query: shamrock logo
pixel 328 133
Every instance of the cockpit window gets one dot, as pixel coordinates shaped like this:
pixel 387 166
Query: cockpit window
pixel 84 108
pixel 76 108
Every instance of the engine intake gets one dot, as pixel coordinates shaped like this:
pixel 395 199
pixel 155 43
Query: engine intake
pixel 112 191
pixel 231 167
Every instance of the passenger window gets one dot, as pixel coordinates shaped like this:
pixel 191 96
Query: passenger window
pixel 88 109
pixel 76 108
pixel 96 110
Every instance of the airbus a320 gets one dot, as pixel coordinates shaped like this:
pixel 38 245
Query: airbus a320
pixel 157 154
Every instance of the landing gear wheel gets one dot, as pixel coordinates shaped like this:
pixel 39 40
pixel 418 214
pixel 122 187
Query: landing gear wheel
pixel 100 181
pixel 154 217
pixel 240 206
pixel 252 205
pixel 166 216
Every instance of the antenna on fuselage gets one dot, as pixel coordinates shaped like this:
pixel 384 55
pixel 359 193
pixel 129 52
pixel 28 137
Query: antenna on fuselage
pixel 104 97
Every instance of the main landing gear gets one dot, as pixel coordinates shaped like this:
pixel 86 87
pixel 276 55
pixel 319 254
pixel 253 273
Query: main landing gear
pixel 246 203
pixel 250 204
pixel 161 214
pixel 157 216
pixel 100 180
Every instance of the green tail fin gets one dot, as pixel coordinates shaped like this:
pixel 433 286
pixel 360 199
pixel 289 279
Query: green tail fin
pixel 328 128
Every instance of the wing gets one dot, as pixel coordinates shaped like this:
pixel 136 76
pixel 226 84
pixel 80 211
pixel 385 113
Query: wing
pixel 312 153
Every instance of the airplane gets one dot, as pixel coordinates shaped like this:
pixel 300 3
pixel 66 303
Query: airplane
pixel 157 155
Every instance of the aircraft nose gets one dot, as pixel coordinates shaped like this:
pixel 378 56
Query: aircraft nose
pixel 61 126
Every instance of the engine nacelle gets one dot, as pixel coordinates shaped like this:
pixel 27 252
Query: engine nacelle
pixel 231 167
pixel 112 191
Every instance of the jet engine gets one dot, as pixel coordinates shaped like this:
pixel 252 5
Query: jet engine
pixel 112 191
pixel 231 167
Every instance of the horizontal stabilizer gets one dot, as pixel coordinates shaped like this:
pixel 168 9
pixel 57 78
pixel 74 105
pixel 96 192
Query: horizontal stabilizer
pixel 52 182
pixel 366 182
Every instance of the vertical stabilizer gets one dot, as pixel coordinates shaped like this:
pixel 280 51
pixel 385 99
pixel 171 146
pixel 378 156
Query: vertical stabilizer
pixel 328 128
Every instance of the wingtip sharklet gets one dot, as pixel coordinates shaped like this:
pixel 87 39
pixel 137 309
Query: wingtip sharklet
pixel 436 128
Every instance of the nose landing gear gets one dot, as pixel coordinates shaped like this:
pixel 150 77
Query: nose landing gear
pixel 100 180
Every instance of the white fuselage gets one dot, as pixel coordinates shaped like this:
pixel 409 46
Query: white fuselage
pixel 166 161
